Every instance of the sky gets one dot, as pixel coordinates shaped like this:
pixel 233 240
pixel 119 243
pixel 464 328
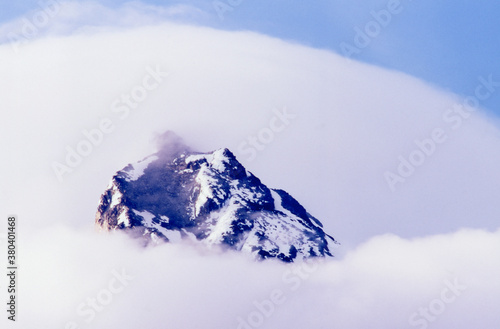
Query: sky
pixel 445 44
pixel 394 148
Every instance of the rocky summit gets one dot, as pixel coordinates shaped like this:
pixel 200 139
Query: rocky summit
pixel 212 199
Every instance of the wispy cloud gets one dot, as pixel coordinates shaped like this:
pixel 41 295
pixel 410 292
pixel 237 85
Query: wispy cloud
pixel 55 17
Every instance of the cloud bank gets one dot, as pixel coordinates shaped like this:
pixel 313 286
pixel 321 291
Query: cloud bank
pixel 388 282
pixel 93 102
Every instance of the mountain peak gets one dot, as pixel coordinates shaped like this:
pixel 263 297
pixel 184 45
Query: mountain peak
pixel 209 198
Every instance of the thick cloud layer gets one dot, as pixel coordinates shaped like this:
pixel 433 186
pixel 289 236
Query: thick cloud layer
pixel 365 150
pixel 446 281
pixel 326 129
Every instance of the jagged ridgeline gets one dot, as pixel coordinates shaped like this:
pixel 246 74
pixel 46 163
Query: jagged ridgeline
pixel 210 198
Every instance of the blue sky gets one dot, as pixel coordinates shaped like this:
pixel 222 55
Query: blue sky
pixel 446 43
pixel 449 44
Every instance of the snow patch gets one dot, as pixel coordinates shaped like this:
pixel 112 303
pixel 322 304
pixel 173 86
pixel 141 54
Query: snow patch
pixel 116 198
pixel 208 189
pixel 217 160
pixel 278 204
pixel 224 218
pixel 197 157
pixel 123 218
pixel 138 168
pixel 147 217
pixel 171 235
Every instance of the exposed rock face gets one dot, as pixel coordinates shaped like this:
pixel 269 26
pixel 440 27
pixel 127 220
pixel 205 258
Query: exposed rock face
pixel 213 199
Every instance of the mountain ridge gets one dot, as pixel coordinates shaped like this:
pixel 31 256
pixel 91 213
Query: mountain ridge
pixel 212 199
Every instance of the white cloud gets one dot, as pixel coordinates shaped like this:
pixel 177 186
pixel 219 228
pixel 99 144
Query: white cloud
pixel 352 123
pixel 382 284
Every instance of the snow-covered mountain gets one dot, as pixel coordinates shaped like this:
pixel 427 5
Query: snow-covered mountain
pixel 212 199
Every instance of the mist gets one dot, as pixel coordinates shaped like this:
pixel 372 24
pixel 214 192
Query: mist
pixel 169 144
